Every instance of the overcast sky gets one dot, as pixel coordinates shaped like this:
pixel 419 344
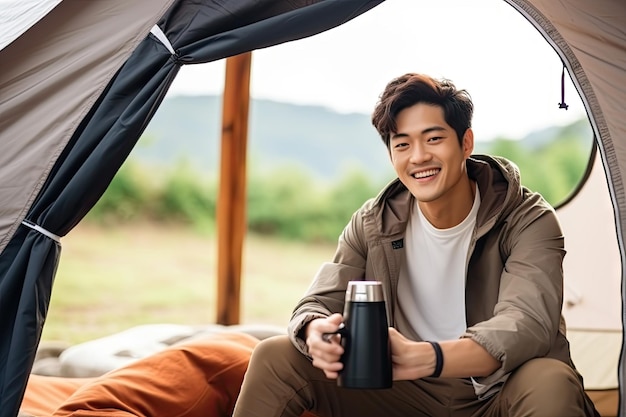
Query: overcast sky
pixel 484 46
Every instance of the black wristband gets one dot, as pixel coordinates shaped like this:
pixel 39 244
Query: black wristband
pixel 438 359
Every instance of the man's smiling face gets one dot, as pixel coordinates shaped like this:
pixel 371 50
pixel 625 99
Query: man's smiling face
pixel 428 158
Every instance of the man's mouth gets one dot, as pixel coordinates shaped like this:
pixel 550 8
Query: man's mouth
pixel 426 174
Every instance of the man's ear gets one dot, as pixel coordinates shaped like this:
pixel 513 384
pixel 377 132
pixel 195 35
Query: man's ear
pixel 468 142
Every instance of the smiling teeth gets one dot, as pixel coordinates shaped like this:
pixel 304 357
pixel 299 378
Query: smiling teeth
pixel 425 174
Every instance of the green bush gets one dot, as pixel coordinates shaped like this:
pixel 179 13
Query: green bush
pixel 126 197
pixel 186 197
pixel 553 170
pixel 284 202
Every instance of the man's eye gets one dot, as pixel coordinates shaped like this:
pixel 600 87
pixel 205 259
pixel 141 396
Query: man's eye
pixel 399 145
pixel 435 139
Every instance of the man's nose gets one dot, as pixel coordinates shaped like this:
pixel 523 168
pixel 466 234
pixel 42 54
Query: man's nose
pixel 420 154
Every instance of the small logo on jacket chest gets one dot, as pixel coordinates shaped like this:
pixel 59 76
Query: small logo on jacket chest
pixel 397 244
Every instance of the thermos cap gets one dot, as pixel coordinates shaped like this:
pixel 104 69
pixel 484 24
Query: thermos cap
pixel 369 291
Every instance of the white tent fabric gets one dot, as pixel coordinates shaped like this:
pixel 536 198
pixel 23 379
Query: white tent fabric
pixel 592 278
pixel 596 355
pixel 17 16
pixel 587 220
pixel 79 80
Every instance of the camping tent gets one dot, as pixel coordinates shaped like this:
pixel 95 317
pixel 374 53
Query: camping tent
pixel 79 81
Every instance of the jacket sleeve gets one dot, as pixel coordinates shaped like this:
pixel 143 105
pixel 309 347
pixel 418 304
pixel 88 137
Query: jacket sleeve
pixel 528 311
pixel 326 293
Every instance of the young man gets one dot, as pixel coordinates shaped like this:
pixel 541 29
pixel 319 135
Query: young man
pixel 470 260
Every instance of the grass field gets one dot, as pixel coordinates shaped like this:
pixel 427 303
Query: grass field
pixel 110 279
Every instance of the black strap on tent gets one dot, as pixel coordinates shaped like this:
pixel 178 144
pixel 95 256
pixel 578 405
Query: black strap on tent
pixel 562 104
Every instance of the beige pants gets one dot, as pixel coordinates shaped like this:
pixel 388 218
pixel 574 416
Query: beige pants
pixel 281 382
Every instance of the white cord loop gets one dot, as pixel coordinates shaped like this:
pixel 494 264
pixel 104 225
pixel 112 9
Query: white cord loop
pixel 41 230
pixel 156 31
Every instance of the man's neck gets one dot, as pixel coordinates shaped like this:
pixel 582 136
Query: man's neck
pixel 449 212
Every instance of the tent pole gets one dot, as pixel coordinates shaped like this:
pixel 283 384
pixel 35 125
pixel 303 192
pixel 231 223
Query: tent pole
pixel 231 205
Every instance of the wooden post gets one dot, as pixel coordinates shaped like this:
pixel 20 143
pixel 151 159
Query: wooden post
pixel 231 205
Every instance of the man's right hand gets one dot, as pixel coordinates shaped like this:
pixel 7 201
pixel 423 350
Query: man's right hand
pixel 325 352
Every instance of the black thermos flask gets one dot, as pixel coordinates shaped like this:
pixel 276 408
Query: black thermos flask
pixel 365 338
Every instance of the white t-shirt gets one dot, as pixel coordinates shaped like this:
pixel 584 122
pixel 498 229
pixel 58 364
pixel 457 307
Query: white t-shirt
pixel 431 288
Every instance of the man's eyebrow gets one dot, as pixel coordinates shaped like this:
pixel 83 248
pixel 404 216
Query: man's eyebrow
pixel 435 128
pixel 398 135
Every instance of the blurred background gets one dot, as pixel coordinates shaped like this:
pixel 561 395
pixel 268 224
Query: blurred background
pixel 146 253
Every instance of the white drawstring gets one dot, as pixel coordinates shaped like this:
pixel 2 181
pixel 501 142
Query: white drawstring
pixel 41 230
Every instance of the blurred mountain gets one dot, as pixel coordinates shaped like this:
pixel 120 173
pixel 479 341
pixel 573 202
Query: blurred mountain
pixel 577 134
pixel 316 139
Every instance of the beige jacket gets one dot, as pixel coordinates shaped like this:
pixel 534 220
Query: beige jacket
pixel 514 286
